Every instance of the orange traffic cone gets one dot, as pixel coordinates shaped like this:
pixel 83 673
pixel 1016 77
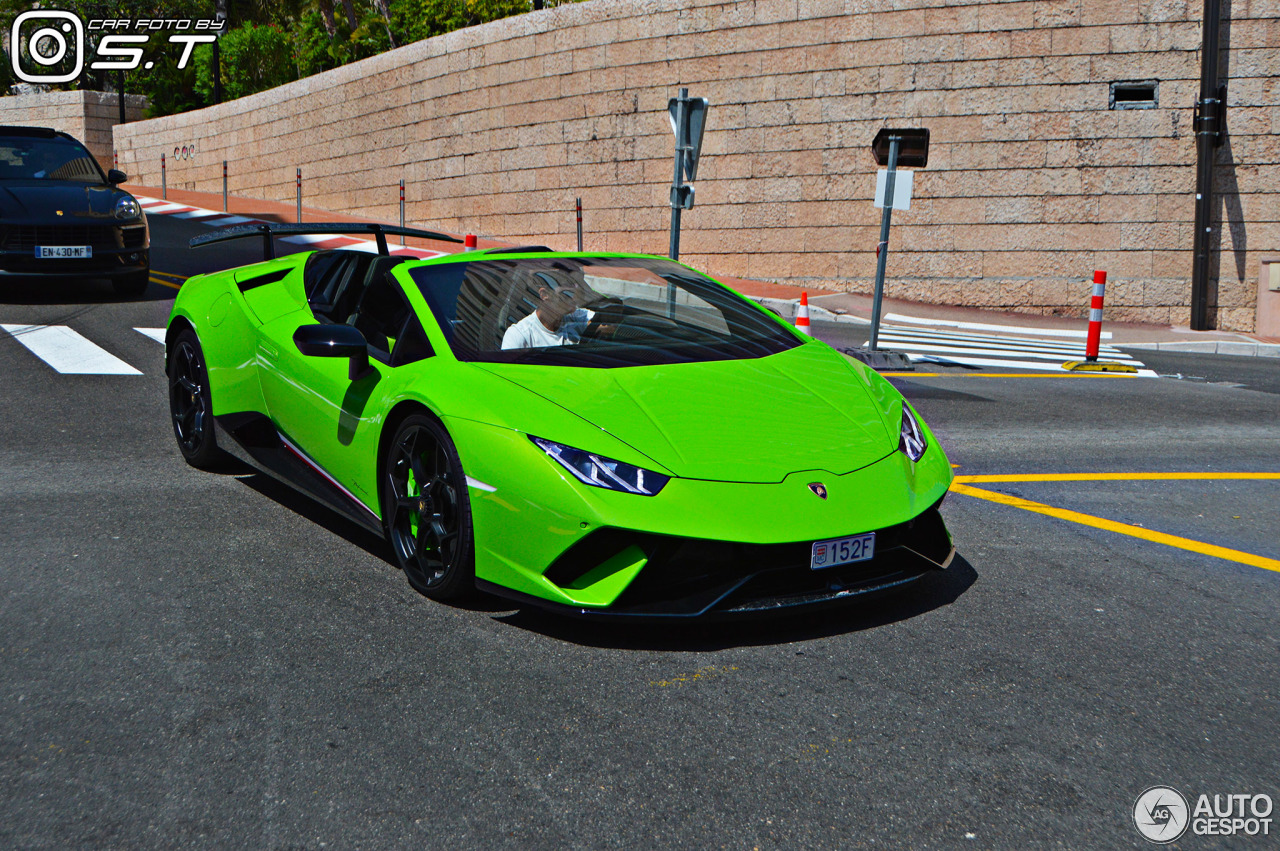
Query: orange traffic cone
pixel 802 314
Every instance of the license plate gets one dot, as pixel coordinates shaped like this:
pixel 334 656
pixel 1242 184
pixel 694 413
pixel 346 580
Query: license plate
pixel 842 550
pixel 60 251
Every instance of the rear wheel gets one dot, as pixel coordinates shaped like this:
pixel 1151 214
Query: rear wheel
pixel 132 285
pixel 190 405
pixel 428 511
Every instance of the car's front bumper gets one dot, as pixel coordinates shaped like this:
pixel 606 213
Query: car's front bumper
pixel 118 250
pixel 697 547
pixel 692 578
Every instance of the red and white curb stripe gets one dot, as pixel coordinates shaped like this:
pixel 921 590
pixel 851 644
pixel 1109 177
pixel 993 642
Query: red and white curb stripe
pixel 214 219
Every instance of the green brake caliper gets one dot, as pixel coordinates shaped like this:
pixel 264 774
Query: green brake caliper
pixel 411 486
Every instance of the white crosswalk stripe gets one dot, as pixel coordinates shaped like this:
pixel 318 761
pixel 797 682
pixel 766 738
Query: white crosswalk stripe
pixel 993 350
pixel 156 334
pixel 67 351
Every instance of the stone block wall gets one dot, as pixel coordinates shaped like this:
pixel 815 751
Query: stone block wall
pixel 89 116
pixel 1033 182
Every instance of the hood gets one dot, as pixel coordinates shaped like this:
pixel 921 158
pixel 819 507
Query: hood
pixel 39 200
pixel 752 420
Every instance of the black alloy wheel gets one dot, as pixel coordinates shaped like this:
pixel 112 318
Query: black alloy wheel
pixel 189 403
pixel 428 511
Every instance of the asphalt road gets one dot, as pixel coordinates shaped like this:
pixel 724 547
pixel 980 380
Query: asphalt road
pixel 197 660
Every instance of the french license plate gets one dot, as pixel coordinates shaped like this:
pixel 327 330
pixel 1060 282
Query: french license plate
pixel 842 550
pixel 61 251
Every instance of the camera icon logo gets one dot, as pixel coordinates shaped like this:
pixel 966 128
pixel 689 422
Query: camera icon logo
pixel 47 42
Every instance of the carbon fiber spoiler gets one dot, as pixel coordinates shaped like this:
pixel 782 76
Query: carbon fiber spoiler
pixel 267 231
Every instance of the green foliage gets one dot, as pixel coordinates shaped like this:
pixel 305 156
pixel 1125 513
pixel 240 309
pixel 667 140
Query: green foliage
pixel 254 58
pixel 312 47
pixel 414 20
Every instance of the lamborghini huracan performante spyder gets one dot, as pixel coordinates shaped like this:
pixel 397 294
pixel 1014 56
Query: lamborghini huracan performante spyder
pixel 599 434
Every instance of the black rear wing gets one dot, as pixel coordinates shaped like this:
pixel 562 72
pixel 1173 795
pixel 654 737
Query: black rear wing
pixel 268 231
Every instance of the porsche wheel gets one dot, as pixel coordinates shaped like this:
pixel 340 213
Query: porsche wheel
pixel 189 403
pixel 427 510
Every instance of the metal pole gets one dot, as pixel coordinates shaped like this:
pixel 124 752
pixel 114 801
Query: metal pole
pixel 402 209
pixel 164 186
pixel 121 98
pixel 579 208
pixel 677 179
pixel 1209 110
pixel 299 195
pixel 882 250
pixel 224 186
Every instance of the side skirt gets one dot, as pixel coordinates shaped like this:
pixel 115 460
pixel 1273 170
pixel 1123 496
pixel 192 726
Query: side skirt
pixel 254 439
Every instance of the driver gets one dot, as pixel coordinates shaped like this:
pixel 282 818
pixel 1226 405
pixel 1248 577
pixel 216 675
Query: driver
pixel 558 320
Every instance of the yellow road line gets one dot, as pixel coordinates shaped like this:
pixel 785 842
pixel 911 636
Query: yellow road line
pixel 1122 528
pixel 1113 477
pixel 155 280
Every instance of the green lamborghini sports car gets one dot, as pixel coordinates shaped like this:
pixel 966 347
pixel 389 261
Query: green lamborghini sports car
pixel 598 434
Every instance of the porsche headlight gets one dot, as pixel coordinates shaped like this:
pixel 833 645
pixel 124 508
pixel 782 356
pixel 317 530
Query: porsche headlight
pixel 601 472
pixel 911 438
pixel 128 208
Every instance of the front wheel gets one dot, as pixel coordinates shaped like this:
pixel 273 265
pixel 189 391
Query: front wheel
pixel 427 510
pixel 190 405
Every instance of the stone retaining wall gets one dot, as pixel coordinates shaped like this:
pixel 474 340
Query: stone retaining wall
pixel 89 116
pixel 1033 182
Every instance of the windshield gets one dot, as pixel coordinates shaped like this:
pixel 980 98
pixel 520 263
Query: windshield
pixel 594 312
pixel 30 158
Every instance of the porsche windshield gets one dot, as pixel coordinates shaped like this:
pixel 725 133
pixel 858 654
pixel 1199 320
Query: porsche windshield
pixel 36 158
pixel 594 312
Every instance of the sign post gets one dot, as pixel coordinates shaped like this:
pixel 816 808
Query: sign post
pixel 892 148
pixel 688 121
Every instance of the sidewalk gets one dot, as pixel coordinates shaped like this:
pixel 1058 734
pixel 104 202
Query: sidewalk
pixel 824 305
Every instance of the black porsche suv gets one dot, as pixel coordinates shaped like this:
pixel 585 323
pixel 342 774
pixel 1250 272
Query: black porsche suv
pixel 60 216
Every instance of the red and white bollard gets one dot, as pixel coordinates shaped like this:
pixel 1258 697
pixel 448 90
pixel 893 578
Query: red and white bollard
pixel 164 185
pixel 469 242
pixel 802 314
pixel 1095 316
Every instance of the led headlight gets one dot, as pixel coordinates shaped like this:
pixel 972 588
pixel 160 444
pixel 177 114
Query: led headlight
pixel 602 472
pixel 127 208
pixel 911 438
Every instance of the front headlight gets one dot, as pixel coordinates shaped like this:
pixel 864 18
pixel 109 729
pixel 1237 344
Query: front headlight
pixel 601 472
pixel 911 438
pixel 128 208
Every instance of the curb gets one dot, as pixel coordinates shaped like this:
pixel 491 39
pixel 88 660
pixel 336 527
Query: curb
pixel 787 307
pixel 1210 347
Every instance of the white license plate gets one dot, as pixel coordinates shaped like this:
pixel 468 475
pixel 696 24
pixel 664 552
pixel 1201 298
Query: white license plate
pixel 842 550
pixel 60 251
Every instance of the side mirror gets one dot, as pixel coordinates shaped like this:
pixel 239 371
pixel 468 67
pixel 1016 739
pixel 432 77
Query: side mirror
pixel 335 341
pixel 115 176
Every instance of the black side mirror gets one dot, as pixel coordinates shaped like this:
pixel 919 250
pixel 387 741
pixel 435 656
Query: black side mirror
pixel 115 176
pixel 335 341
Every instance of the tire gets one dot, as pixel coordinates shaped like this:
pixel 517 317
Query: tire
pixel 132 285
pixel 428 525
pixel 190 405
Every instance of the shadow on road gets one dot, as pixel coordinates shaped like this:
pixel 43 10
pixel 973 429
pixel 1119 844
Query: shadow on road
pixel 932 592
pixel 73 291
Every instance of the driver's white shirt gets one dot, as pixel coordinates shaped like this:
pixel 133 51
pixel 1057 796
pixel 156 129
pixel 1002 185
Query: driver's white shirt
pixel 530 333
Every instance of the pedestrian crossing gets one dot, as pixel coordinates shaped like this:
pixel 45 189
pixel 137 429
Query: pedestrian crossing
pixel 964 348
pixel 68 352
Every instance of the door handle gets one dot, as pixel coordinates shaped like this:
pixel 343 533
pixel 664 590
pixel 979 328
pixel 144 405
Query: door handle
pixel 267 352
